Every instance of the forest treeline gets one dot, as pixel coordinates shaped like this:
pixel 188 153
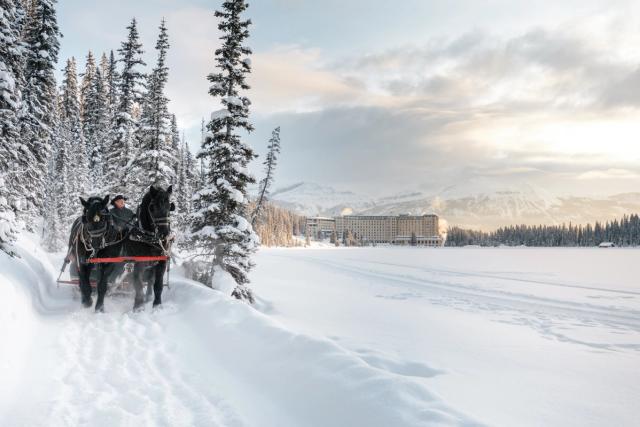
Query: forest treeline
pixel 621 232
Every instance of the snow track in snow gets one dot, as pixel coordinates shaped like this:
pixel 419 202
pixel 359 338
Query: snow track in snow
pixel 549 316
pixel 119 367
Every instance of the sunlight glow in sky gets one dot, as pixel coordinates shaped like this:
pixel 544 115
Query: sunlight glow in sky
pixel 546 92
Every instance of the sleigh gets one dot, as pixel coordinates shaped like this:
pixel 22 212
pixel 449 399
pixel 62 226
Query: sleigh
pixel 122 283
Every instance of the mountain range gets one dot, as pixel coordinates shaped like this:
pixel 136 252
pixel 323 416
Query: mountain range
pixel 479 204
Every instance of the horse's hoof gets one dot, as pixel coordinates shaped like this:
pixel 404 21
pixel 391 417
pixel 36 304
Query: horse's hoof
pixel 156 303
pixel 87 302
pixel 99 307
pixel 138 306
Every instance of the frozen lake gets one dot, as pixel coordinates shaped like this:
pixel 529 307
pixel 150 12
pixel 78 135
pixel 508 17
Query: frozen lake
pixel 510 336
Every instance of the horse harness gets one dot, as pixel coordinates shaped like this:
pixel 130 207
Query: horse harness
pixel 152 238
pixel 86 236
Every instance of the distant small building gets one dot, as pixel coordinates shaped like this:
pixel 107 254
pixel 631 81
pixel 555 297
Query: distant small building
pixel 607 245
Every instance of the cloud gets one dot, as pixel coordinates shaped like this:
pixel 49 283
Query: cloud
pixel 555 101
pixel 539 67
pixel 609 174
pixel 291 78
pixel 528 105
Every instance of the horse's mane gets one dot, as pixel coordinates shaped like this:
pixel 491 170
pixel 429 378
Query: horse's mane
pixel 93 199
pixel 143 212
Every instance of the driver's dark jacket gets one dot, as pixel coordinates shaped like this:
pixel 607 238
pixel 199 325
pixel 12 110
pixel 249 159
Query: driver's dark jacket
pixel 122 218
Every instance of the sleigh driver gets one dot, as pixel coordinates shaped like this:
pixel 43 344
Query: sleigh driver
pixel 121 214
pixel 122 218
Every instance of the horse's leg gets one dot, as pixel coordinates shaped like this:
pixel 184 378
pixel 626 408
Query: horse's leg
pixel 103 276
pixel 138 272
pixel 149 277
pixel 158 283
pixel 84 274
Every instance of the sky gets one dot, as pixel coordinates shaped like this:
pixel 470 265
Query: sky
pixel 383 97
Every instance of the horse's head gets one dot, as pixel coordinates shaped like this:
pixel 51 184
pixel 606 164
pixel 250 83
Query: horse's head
pixel 95 215
pixel 159 208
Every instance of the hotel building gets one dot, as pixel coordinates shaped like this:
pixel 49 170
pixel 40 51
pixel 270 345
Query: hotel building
pixel 421 230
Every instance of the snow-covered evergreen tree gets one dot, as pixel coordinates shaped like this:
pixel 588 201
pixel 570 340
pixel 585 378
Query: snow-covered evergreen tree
pixel 175 143
pixel 185 185
pixel 86 83
pixel 200 178
pixel 41 46
pixel 103 66
pixel 112 82
pixel 72 131
pixel 63 171
pixel 219 226
pixel 97 122
pixel 130 91
pixel 10 104
pixel 269 169
pixel 57 208
pixel 155 162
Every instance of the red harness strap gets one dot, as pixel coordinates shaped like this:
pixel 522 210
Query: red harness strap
pixel 127 259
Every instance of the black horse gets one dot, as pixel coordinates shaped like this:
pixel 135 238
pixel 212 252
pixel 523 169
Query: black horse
pixel 151 237
pixel 93 236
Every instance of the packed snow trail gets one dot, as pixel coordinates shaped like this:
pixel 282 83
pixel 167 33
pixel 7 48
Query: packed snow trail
pixel 202 360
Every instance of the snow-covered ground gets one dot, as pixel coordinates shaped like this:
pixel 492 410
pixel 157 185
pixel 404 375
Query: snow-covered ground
pixel 342 337
pixel 509 336
pixel 202 360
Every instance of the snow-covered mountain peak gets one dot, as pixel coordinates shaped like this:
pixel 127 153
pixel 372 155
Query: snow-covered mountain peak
pixel 498 189
pixel 309 198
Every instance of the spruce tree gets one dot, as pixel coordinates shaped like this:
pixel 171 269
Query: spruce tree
pixel 10 104
pixel 85 85
pixel 104 66
pixel 41 46
pixel 155 162
pixel 112 81
pixel 111 84
pixel 72 128
pixel 200 174
pixel 185 185
pixel 131 82
pixel 269 169
pixel 56 208
pixel 96 127
pixel 63 173
pixel 175 142
pixel 218 226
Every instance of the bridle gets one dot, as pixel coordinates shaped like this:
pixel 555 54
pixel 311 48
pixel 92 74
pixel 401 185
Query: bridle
pixel 163 221
pixel 154 237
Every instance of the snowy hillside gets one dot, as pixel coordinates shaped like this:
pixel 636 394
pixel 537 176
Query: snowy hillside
pixel 203 360
pixel 314 199
pixel 482 204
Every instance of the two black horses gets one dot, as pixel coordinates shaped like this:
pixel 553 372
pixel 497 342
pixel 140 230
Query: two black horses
pixel 93 235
